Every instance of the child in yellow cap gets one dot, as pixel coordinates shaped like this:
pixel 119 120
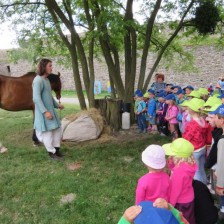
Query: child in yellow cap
pixel 183 167
pixel 197 132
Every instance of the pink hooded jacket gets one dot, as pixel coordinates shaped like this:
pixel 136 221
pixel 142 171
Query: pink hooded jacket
pixel 180 188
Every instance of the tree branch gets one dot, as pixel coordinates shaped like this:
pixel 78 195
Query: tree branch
pixel 119 4
pixel 180 25
pixel 57 25
pixel 52 5
pixel 22 3
pixel 68 10
pixel 149 29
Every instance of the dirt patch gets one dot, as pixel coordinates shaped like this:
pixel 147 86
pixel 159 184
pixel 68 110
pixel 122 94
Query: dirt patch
pixel 74 166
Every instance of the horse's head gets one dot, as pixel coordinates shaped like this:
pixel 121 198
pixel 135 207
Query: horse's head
pixel 55 84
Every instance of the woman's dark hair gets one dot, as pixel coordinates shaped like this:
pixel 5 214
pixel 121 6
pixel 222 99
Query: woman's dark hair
pixel 160 75
pixel 41 67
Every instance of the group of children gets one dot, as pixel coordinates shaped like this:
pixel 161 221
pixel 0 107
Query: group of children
pixel 195 121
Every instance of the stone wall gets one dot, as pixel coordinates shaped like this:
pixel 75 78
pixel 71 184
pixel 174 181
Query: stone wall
pixel 209 61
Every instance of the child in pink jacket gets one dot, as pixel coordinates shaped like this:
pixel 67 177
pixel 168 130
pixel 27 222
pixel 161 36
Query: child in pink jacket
pixel 155 183
pixel 171 115
pixel 183 168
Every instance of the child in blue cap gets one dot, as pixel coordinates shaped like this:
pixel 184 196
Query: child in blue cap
pixel 152 111
pixel 140 113
pixel 171 115
pixel 159 212
pixel 161 113
pixel 188 89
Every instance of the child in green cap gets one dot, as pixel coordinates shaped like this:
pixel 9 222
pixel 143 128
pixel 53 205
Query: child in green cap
pixel 197 132
pixel 183 167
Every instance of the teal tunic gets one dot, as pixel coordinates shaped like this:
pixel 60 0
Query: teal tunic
pixel 44 101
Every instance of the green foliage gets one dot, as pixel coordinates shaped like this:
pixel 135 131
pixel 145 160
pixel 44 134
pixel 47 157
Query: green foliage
pixel 206 17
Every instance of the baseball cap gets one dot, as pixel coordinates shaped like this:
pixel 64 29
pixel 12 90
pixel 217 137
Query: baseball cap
pixel 195 94
pixel 185 103
pixel 169 84
pixel 203 91
pixel 137 92
pixel 195 104
pixel 188 87
pixel 151 91
pixel 174 87
pixel 180 91
pixel 146 95
pixel 140 94
pixel 179 147
pixel 154 157
pixel 219 110
pixel 153 215
pixel 213 108
pixel 162 94
pixel 215 94
pixel 212 101
pixel 220 96
pixel 170 97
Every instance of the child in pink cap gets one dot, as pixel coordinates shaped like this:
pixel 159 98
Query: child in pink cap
pixel 155 183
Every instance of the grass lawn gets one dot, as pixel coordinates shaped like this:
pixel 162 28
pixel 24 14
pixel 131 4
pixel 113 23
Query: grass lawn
pixel 71 93
pixel 32 185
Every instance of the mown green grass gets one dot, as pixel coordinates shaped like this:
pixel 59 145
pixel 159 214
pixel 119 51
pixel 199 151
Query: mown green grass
pixel 71 93
pixel 32 185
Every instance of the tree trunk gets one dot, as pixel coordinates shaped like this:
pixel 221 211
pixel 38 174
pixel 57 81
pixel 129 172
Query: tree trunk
pixel 92 74
pixel 91 53
pixel 130 48
pixel 109 50
pixel 148 36
pixel 111 111
pixel 76 75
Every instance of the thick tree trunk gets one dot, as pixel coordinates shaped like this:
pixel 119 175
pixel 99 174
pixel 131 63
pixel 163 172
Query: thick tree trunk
pixel 111 111
pixel 92 74
pixel 76 75
pixel 113 69
pixel 56 13
pixel 110 51
pixel 91 53
pixel 113 91
pixel 130 49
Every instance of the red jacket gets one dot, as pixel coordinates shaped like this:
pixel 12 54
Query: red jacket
pixel 196 134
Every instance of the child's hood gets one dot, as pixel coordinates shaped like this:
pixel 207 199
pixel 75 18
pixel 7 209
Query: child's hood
pixel 188 168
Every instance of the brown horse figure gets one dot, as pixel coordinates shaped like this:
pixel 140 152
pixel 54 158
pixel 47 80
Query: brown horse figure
pixel 16 92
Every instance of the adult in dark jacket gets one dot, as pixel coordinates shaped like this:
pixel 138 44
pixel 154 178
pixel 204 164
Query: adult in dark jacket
pixel 205 210
pixel 212 157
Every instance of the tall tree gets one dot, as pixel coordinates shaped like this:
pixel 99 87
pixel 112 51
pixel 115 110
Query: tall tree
pixel 111 30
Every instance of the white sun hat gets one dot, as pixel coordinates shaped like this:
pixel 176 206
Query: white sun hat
pixel 154 157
